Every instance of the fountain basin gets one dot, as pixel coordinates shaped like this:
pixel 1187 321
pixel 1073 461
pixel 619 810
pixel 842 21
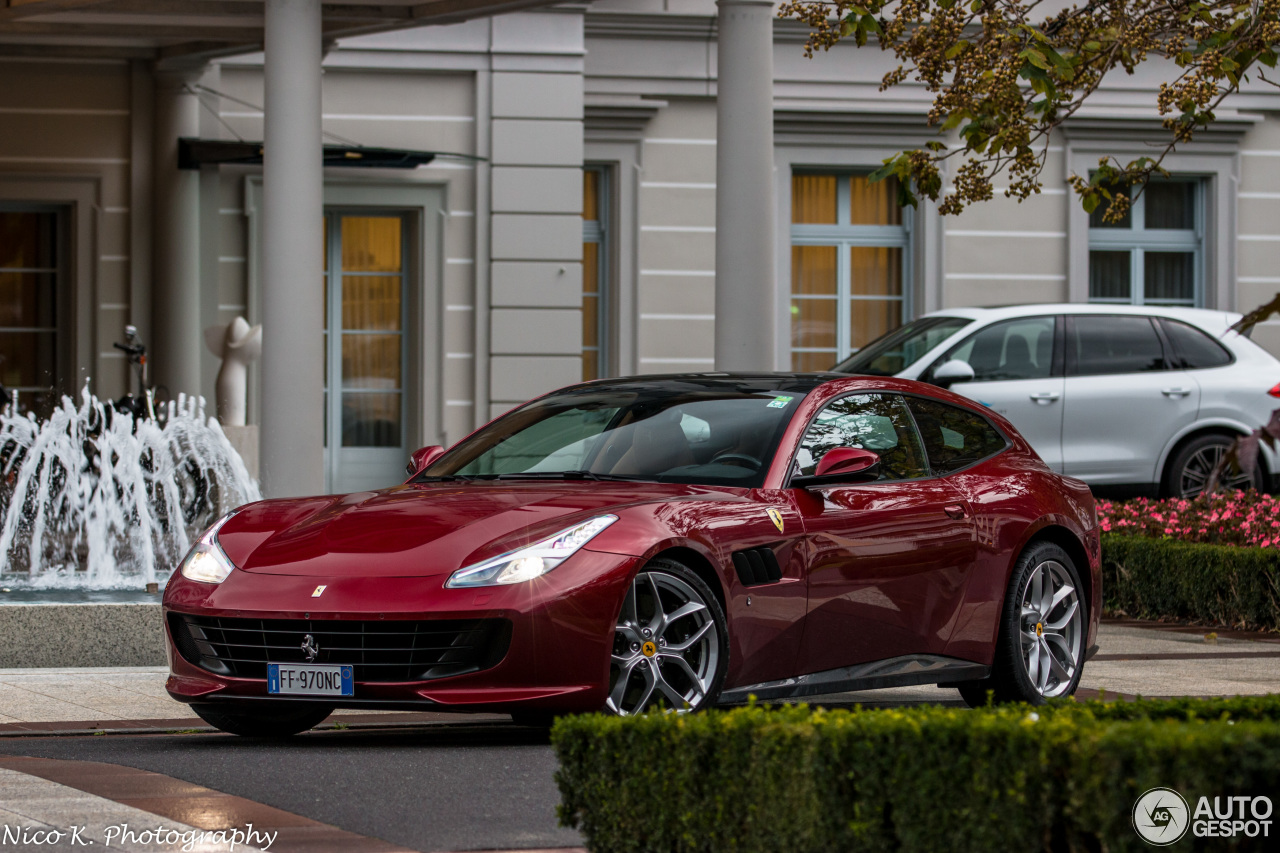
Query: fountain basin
pixel 75 628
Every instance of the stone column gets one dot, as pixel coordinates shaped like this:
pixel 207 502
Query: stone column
pixel 745 321
pixel 175 347
pixel 292 454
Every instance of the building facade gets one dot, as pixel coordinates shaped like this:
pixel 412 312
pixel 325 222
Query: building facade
pixel 566 228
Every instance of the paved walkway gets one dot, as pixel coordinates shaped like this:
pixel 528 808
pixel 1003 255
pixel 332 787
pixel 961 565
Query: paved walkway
pixel 44 795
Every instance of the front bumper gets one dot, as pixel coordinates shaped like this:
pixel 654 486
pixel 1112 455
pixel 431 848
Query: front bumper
pixel 558 658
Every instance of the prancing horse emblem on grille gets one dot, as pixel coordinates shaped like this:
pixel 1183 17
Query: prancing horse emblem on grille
pixel 310 649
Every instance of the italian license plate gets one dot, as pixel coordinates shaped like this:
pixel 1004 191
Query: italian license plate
pixel 310 679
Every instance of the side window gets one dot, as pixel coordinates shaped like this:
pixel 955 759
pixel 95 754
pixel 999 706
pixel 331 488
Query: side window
pixel 1108 345
pixel 953 437
pixel 1192 348
pixel 876 422
pixel 1015 349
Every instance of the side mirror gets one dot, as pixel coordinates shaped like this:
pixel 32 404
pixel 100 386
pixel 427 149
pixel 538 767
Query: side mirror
pixel 951 372
pixel 842 465
pixel 422 457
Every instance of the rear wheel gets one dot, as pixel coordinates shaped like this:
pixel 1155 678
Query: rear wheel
pixel 264 720
pixel 1040 650
pixel 670 645
pixel 1189 470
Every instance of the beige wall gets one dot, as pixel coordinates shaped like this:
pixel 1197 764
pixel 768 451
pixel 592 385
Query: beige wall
pixel 68 124
pixel 677 240
pixel 1258 237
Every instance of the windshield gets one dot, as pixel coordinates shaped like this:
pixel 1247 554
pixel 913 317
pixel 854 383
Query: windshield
pixel 704 435
pixel 889 355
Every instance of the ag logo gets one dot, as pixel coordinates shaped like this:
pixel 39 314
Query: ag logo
pixel 1161 816
pixel 776 517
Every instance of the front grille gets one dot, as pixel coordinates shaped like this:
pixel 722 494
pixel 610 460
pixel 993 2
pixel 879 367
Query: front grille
pixel 381 651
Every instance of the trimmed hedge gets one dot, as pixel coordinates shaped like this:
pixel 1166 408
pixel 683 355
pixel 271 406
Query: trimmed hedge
pixel 917 780
pixel 1218 584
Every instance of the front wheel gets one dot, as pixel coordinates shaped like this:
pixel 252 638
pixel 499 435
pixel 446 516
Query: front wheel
pixel 270 721
pixel 670 645
pixel 1040 650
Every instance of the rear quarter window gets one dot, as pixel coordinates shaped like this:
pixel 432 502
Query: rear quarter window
pixel 954 438
pixel 1192 348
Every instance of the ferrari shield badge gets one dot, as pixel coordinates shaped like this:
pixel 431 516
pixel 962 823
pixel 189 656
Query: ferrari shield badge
pixel 319 591
pixel 776 517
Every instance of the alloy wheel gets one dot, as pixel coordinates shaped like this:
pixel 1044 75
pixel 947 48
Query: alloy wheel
pixel 666 647
pixel 1195 472
pixel 1051 629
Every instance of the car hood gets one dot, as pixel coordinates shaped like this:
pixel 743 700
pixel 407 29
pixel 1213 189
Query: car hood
pixel 426 529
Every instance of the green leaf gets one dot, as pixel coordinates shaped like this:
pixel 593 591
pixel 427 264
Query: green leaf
pixel 957 49
pixel 885 171
pixel 1035 57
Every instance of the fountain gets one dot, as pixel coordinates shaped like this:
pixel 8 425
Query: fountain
pixel 92 499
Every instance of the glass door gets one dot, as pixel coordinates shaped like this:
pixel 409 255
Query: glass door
pixel 365 349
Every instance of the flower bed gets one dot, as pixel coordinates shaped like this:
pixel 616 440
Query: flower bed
pixel 1248 519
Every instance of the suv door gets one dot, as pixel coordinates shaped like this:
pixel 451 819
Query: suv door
pixel 1123 400
pixel 1017 367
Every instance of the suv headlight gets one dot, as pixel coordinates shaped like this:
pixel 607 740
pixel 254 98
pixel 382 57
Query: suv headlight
pixel 532 561
pixel 206 562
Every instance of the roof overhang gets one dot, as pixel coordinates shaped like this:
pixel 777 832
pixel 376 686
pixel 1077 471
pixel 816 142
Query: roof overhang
pixel 175 29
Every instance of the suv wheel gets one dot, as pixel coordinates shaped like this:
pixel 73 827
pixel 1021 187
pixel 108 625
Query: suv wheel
pixel 1189 470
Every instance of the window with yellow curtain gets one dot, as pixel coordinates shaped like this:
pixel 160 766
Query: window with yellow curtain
pixel 595 254
pixel 364 329
pixel 849 258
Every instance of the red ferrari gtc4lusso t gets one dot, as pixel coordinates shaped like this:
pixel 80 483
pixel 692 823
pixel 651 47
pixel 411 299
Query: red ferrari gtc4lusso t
pixel 680 541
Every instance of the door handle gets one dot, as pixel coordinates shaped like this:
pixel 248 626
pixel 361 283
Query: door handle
pixel 1045 397
pixel 956 511
pixel 1175 392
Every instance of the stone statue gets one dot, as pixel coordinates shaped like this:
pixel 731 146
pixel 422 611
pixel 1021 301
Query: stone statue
pixel 237 345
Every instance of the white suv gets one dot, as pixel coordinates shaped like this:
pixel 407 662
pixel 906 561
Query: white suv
pixel 1118 396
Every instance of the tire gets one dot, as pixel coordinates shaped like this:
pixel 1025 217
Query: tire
pixel 1189 468
pixel 657 661
pixel 261 720
pixel 1040 650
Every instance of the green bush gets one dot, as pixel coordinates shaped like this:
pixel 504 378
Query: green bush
pixel 1063 777
pixel 1218 584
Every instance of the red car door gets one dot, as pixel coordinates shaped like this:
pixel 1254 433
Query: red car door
pixel 887 561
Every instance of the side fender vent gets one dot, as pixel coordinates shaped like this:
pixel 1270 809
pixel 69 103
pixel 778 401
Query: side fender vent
pixel 757 566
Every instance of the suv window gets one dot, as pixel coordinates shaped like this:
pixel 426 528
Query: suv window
pixel 1106 345
pixel 1192 348
pixel 954 437
pixel 1013 349
pixel 876 422
pixel 901 348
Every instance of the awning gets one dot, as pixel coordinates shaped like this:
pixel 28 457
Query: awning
pixel 194 153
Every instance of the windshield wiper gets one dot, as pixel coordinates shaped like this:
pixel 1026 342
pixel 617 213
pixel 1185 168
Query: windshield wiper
pixel 568 475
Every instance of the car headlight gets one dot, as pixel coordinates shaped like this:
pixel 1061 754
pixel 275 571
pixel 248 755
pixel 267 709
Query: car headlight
pixel 532 561
pixel 206 562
